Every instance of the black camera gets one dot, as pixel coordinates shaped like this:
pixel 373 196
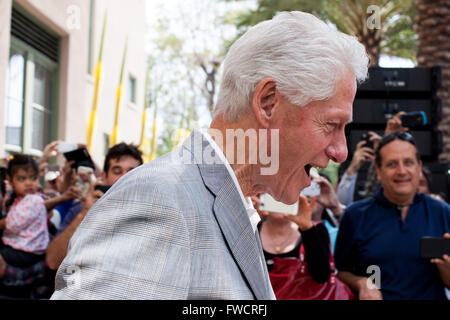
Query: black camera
pixel 102 188
pixel 81 157
pixel 366 138
pixel 414 119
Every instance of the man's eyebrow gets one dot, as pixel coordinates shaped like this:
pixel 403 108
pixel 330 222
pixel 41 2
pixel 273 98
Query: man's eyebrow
pixel 336 115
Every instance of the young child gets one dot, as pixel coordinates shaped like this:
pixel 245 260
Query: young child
pixel 25 232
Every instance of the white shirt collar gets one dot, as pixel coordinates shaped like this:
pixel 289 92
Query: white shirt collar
pixel 248 205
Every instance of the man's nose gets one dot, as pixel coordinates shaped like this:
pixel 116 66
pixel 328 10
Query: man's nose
pixel 401 169
pixel 337 150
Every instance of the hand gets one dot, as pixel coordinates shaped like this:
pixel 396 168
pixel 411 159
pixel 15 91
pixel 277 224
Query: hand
pixel 375 138
pixel 67 169
pixel 81 145
pixel 69 176
pixel 366 293
pixel 73 192
pixel 257 204
pixel 362 154
pixel 395 124
pixel 328 197
pixel 443 264
pixel 50 150
pixel 92 196
pixel 303 218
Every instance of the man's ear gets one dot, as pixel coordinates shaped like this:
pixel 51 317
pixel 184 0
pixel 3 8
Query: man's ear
pixel 264 101
pixel 378 169
pixel 421 168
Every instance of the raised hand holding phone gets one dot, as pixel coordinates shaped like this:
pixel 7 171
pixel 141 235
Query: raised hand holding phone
pixel 85 177
pixel 443 263
pixel 303 218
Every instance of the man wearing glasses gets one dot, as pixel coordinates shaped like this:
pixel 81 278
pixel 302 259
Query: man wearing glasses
pixel 378 245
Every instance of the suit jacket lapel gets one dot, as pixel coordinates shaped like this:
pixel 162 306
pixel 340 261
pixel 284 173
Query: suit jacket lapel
pixel 234 222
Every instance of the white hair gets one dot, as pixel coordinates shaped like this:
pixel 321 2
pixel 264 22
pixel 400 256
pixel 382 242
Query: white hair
pixel 304 55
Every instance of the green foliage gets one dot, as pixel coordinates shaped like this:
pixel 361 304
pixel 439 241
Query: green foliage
pixel 349 16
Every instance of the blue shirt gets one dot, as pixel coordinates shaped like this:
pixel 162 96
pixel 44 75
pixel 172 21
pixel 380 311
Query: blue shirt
pixel 332 231
pixel 372 233
pixel 63 208
pixel 73 212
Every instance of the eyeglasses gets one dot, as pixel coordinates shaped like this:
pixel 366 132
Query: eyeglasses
pixel 405 136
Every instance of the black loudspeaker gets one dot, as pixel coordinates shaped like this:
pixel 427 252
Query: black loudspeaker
pixel 391 90
pixel 379 111
pixel 420 81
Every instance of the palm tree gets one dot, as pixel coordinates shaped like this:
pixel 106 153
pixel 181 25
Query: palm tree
pixel 433 29
pixel 393 35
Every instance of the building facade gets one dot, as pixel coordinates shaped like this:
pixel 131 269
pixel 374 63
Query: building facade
pixel 48 57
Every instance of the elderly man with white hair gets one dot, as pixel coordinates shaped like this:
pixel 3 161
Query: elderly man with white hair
pixel 182 226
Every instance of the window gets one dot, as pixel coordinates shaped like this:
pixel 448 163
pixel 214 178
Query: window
pixel 14 98
pixel 31 93
pixel 132 89
pixel 31 84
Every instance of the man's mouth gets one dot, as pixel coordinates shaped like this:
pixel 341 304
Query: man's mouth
pixel 402 181
pixel 307 170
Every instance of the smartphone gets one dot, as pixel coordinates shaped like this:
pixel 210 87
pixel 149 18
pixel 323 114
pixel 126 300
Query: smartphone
pixel 85 176
pixel 433 247
pixel 366 138
pixel 414 119
pixel 270 204
pixel 64 147
pixel 312 190
pixel 81 157
pixel 102 188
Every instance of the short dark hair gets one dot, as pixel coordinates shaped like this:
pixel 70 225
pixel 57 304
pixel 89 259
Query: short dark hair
pixel 404 136
pixel 21 161
pixel 120 150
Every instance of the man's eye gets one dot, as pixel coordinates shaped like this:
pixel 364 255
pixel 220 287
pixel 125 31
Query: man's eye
pixel 333 125
pixel 391 164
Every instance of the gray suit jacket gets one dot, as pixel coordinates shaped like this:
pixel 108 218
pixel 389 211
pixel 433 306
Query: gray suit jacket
pixel 167 230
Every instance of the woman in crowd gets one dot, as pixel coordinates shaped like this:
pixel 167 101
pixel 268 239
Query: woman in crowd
pixel 291 242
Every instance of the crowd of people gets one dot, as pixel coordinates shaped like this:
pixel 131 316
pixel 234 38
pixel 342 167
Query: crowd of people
pixel 42 206
pixel 298 247
pixel 186 227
